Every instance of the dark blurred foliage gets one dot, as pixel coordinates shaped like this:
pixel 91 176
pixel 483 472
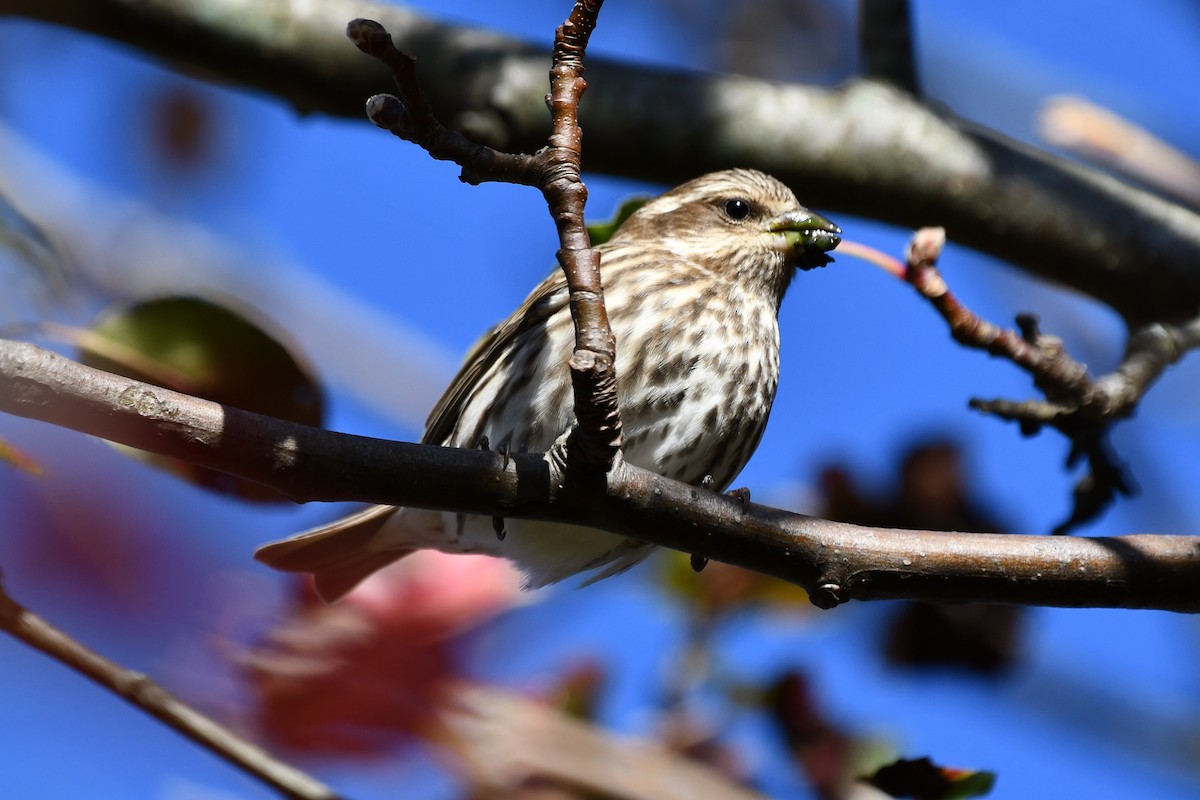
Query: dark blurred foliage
pixel 182 127
pixel 578 690
pixel 931 493
pixel 921 779
pixel 184 148
pixel 821 748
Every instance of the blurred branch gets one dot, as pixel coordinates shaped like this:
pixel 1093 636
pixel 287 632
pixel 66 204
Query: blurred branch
pixel 834 562
pixel 554 170
pixel 1100 135
pixel 140 691
pixel 864 147
pixel 504 740
pixel 885 43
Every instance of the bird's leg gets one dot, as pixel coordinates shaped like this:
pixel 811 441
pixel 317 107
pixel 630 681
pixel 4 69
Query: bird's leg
pixel 497 521
pixel 699 562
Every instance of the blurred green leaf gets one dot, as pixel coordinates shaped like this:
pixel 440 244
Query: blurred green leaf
pixel 721 589
pixel 601 232
pixel 199 347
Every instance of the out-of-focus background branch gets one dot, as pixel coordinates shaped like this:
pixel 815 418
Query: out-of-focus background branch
pixel 863 147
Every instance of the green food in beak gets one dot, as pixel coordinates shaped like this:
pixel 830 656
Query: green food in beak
pixel 809 236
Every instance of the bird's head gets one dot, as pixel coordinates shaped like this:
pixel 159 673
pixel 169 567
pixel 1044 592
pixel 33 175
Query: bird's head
pixel 742 222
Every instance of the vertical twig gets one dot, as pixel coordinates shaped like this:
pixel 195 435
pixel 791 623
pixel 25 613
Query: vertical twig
pixel 593 365
pixel 555 171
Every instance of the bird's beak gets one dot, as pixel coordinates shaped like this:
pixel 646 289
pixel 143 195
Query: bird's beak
pixel 808 236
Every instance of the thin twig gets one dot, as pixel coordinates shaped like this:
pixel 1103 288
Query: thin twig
pixel 1050 366
pixel 835 562
pixel 411 117
pixel 555 171
pixel 140 691
pixel 1081 407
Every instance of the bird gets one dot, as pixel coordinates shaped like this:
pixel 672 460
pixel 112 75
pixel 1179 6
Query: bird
pixel 692 281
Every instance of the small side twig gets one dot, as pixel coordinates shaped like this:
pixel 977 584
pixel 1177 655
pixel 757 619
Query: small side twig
pixel 555 171
pixel 411 117
pixel 1081 407
pixel 139 690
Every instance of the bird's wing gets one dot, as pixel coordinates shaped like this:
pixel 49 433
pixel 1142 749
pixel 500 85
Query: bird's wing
pixel 547 299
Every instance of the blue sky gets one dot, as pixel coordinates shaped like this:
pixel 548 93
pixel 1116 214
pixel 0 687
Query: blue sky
pixel 867 369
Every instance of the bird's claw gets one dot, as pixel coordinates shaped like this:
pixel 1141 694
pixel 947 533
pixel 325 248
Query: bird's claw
pixel 742 495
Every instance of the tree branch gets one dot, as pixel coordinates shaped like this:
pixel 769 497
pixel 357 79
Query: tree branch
pixel 1079 406
pixel 153 699
pixel 864 148
pixel 503 741
pixel 834 562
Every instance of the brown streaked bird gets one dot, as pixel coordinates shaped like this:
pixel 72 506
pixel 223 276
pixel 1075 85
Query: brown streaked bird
pixel 693 282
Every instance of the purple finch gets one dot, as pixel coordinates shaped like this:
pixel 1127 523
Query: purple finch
pixel 693 282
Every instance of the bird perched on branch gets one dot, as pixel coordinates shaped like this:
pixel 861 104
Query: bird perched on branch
pixel 692 281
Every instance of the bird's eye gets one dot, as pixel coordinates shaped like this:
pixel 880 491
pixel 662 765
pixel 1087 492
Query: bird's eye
pixel 737 209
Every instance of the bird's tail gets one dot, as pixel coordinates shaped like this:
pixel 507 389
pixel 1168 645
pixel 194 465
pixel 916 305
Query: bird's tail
pixel 338 555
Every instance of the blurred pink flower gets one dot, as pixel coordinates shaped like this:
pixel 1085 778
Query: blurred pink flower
pixel 353 677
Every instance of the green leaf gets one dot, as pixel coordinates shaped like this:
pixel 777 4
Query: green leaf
pixel 601 232
pixel 196 346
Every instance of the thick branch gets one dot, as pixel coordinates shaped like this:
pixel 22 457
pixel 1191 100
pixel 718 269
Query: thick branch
pixel 138 690
pixel 864 148
pixel 834 562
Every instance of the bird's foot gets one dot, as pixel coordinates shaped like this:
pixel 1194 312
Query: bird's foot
pixel 742 495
